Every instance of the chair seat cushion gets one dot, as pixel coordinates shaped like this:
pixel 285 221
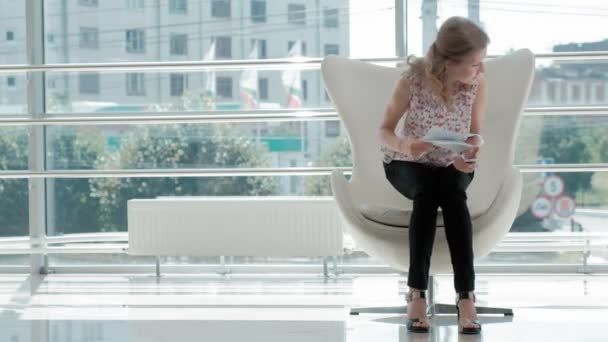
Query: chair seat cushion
pixel 398 217
pixel 392 216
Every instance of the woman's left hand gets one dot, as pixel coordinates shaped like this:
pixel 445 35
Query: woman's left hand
pixel 463 166
pixel 471 153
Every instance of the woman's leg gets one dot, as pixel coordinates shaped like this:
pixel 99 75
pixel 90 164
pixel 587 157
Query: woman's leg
pixel 417 182
pixel 458 229
pixel 459 234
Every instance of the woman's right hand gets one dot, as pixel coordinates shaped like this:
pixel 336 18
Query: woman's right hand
pixel 414 147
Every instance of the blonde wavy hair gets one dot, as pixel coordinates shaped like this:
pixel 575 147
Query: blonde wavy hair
pixel 457 38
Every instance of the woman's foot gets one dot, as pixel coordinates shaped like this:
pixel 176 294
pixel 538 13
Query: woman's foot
pixel 416 311
pixel 467 315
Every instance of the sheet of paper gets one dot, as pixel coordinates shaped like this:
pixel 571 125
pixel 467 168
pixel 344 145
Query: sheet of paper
pixel 450 140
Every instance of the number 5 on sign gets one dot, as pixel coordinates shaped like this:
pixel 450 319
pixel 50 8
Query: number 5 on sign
pixel 554 186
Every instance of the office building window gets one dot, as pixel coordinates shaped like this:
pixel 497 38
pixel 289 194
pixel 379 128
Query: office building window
pixel 88 83
pixel 263 88
pixel 10 36
pixel 600 93
pixel 178 6
pixel 304 90
pixel 576 92
pixel 296 14
pixel 224 87
pixel 178 84
pixel 258 11
pixel 11 82
pixel 331 49
pixel 136 41
pixel 330 18
pixel 223 47
pixel 261 47
pixel 290 45
pixel 220 8
pixel 90 3
pixel 552 91
pixel 332 129
pixel 89 38
pixel 179 44
pixel 135 4
pixel 136 85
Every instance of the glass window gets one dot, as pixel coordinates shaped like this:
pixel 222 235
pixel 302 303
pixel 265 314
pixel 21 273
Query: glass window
pixel 332 129
pixel 178 6
pixel 258 11
pixel 261 47
pixel 220 8
pixel 10 36
pixel 136 41
pixel 179 44
pixel 11 81
pixel 330 18
pixel 224 87
pixel 90 3
pixel 600 93
pixel 296 14
pixel 223 47
pixel 263 88
pixel 576 93
pixel 14 202
pixel 89 38
pixel 178 84
pixel 293 180
pixel 135 4
pixel 136 84
pixel 88 83
pixel 305 90
pixel 331 49
pixel 290 44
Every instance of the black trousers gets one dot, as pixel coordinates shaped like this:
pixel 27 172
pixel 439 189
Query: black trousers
pixel 431 187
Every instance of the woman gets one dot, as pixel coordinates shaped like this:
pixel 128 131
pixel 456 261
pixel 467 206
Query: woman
pixel 446 89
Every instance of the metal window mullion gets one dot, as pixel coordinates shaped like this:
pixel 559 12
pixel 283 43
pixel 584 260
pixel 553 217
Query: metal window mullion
pixel 401 28
pixel 35 106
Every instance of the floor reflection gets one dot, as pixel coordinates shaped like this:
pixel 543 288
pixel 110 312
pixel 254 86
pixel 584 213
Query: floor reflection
pixel 104 308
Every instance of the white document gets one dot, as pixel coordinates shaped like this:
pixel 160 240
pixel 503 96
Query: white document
pixel 450 140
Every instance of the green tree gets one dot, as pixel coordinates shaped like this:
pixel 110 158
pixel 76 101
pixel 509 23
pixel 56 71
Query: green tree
pixel 14 219
pixel 566 145
pixel 339 154
pixel 177 146
pixel 567 141
pixel 74 209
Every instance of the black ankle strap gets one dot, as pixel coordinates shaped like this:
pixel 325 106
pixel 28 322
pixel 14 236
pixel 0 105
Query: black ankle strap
pixel 466 295
pixel 414 294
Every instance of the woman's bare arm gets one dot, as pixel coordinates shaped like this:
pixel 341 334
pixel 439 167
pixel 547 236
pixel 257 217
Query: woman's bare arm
pixel 395 109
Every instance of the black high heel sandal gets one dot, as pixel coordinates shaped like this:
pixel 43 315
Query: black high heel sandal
pixel 409 297
pixel 461 328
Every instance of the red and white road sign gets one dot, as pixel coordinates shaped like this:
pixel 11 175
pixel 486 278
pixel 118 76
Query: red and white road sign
pixel 554 186
pixel 541 207
pixel 564 206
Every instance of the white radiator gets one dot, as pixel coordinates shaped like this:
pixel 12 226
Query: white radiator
pixel 235 226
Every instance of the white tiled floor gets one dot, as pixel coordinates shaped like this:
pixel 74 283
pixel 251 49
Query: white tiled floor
pixel 103 308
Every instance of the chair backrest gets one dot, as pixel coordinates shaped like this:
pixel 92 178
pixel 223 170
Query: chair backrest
pixel 360 92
